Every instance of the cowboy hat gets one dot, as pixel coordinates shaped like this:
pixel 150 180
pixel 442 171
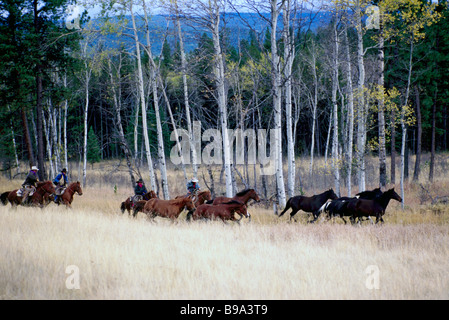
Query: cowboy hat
pixel 194 180
pixel 34 168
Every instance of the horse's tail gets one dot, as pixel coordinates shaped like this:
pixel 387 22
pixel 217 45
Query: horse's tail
pixel 123 207
pixel 4 198
pixel 323 208
pixel 287 206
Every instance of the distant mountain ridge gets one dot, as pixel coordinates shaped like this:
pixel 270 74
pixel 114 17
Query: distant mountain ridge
pixel 239 26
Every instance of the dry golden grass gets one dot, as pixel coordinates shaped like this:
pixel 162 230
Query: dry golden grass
pixel 268 258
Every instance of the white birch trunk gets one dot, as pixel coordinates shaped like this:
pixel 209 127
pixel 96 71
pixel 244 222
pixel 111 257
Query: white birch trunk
pixel 288 58
pixel 361 108
pixel 186 96
pixel 66 106
pixel 221 94
pixel 335 153
pixel 142 101
pixel 86 109
pixel 350 118
pixel 276 80
pixel 403 124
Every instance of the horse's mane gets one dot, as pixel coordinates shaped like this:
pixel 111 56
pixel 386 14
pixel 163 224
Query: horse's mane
pixel 242 193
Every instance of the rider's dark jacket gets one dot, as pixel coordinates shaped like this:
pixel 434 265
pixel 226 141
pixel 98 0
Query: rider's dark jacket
pixel 31 179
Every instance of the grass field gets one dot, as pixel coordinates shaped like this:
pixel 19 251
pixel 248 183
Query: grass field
pixel 95 252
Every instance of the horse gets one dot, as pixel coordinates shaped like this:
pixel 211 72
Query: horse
pixel 167 208
pixel 308 204
pixel 370 194
pixel 43 190
pixel 40 196
pixel 337 207
pixel 366 208
pixel 199 198
pixel 128 204
pixel 67 196
pixel 224 211
pixel 242 196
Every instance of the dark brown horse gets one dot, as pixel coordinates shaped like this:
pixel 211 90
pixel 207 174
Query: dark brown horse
pixel 223 211
pixel 338 207
pixel 67 196
pixel 40 197
pixel 243 197
pixel 366 208
pixel 128 204
pixel 308 204
pixel 167 208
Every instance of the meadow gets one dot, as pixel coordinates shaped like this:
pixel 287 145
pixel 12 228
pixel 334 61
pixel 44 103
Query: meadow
pixel 93 251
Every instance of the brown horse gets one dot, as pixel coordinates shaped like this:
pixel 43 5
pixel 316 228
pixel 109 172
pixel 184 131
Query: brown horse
pixel 44 189
pixel 128 204
pixel 198 199
pixel 243 197
pixel 67 196
pixel 167 208
pixel 223 211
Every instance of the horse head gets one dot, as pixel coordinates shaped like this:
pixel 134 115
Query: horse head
pixel 331 194
pixel 254 195
pixel 77 188
pixel 393 195
pixel 188 203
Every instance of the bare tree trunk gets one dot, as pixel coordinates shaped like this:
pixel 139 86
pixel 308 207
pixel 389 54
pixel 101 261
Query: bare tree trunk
pixel 350 116
pixel 288 58
pixel 142 101
pixel 276 80
pixel 361 108
pixel 195 161
pixel 419 136
pixel 118 122
pixel 221 92
pixel 381 115
pixel 335 153
pixel 86 108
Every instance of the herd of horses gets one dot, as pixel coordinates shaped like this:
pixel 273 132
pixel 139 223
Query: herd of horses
pixel 363 206
pixel 43 195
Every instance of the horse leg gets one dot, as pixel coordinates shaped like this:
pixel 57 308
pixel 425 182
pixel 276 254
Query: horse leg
pixel 288 206
pixel 292 214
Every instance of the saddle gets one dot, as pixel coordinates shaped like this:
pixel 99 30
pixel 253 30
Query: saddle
pixel 26 189
pixel 60 190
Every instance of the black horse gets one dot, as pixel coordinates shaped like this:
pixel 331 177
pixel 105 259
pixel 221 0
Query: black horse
pixel 366 208
pixel 338 206
pixel 308 204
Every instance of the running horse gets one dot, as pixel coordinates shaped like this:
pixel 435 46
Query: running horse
pixel 167 208
pixel 242 196
pixel 40 197
pixel 338 207
pixel 198 199
pixel 67 195
pixel 359 208
pixel 128 204
pixel 308 204
pixel 224 211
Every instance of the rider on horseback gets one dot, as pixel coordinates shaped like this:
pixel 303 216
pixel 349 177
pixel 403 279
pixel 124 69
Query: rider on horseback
pixel 193 187
pixel 29 185
pixel 139 191
pixel 62 177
